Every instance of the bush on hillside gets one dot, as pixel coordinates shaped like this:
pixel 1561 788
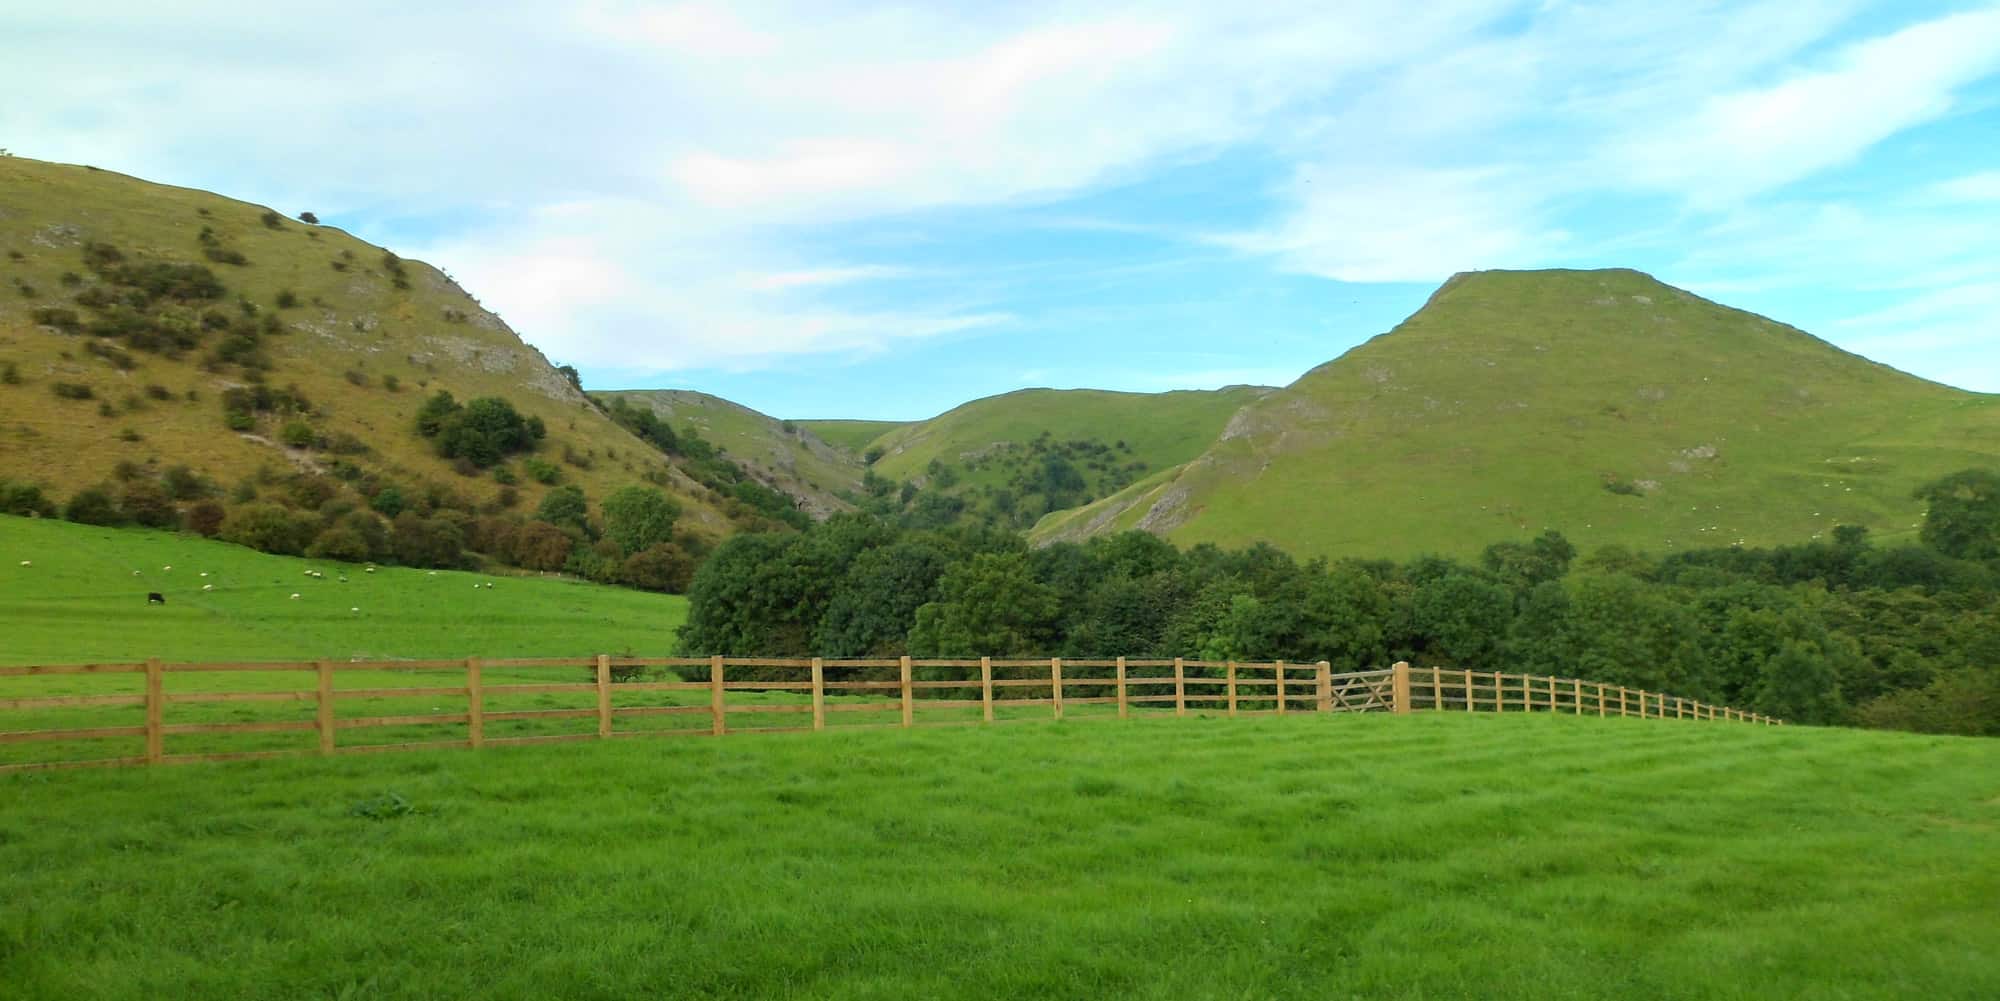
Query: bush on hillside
pixel 204 518
pixel 145 502
pixel 538 545
pixel 25 500
pixel 93 506
pixel 267 528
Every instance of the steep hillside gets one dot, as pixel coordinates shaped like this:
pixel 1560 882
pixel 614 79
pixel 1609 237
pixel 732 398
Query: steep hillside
pixel 1604 404
pixel 1020 455
pixel 130 311
pixel 852 435
pixel 780 454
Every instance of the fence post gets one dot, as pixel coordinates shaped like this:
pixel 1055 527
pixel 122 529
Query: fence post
pixel 986 689
pixel 1499 692
pixel 1325 686
pixel 1180 688
pixel 1055 685
pixel 1437 688
pixel 1576 695
pixel 716 706
pixel 475 704
pixel 909 710
pixel 1229 695
pixel 604 695
pixel 1279 673
pixel 323 715
pixel 1468 689
pixel 156 738
pixel 1399 688
pixel 819 694
pixel 1621 702
pixel 1121 688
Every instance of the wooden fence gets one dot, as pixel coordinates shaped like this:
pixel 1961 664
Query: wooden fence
pixel 1227 687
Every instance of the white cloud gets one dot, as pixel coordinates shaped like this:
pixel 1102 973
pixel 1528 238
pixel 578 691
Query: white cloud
pixel 1746 141
pixel 1980 187
pixel 1403 225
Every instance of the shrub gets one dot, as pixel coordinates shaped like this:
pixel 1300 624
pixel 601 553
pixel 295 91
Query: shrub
pixel 73 391
pixel 388 501
pixel 273 220
pixel 25 500
pixel 267 528
pixel 287 299
pixel 426 542
pixel 159 392
pixel 10 373
pixel 147 503
pixel 539 545
pixel 309 219
pixel 61 319
pixel 297 434
pixel 542 471
pixel 238 420
pixel 356 377
pixel 182 483
pixel 391 383
pixel 93 506
pixel 663 567
pixel 204 518
pixel 340 542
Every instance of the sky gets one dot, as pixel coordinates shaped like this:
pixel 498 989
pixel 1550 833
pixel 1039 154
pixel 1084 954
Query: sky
pixel 860 210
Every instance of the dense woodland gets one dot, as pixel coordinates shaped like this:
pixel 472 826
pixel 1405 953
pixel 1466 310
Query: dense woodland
pixel 1841 631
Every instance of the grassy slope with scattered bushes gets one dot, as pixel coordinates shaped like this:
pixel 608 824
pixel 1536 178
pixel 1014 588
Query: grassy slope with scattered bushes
pixel 359 322
pixel 1429 856
pixel 1603 404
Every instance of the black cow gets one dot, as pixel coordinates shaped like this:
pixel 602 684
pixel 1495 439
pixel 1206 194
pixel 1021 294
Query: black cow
pixel 155 598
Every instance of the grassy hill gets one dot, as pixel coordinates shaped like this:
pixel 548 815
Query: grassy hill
pixel 1428 856
pixel 853 435
pixel 128 309
pixel 84 599
pixel 1604 404
pixel 784 455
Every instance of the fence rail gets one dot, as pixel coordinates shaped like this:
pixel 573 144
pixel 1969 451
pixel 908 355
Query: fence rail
pixel 1232 688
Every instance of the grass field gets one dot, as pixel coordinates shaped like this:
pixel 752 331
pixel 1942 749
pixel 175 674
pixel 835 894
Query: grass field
pixel 81 601
pixel 852 435
pixel 1304 857
pixel 801 464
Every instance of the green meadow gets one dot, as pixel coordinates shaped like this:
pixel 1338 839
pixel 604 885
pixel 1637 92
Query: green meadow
pixel 84 599
pixel 1429 856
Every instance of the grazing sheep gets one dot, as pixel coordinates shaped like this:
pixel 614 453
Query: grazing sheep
pixel 208 587
pixel 356 610
pixel 155 598
pixel 135 573
pixel 204 573
pixel 370 570
pixel 27 563
pixel 167 569
pixel 489 585
pixel 295 596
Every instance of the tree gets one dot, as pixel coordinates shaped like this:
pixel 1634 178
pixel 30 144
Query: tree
pixel 539 545
pixel 660 567
pixel 1963 519
pixel 266 528
pixel 146 502
pixel 309 219
pixel 565 507
pixel 1799 685
pixel 1461 620
pixel 639 518
pixel 425 542
pixel 874 605
pixel 991 605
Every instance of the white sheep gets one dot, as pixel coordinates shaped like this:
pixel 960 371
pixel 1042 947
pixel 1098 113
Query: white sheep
pixel 431 573
pixel 371 570
pixel 167 569
pixel 355 610
pixel 27 563
pixel 295 596
pixel 135 573
pixel 489 585
pixel 204 573
pixel 208 587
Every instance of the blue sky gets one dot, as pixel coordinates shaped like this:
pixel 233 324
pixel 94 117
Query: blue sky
pixel 882 211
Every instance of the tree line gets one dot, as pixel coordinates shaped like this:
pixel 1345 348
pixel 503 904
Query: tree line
pixel 1835 631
